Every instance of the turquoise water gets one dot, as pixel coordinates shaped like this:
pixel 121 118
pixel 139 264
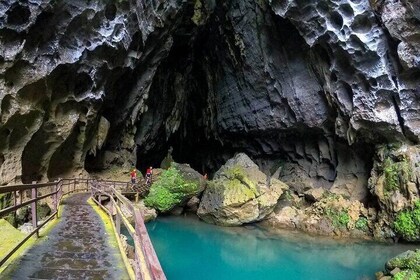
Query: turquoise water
pixel 190 249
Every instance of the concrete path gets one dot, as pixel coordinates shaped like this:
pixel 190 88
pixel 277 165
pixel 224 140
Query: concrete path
pixel 78 247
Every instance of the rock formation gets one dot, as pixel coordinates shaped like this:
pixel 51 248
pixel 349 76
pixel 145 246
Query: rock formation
pixel 174 187
pixel 239 193
pixel 308 89
pixel 403 266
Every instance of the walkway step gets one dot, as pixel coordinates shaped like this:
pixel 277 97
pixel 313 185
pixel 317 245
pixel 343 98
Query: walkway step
pixel 78 247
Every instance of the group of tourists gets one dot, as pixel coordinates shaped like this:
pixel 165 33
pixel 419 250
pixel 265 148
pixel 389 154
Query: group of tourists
pixel 149 172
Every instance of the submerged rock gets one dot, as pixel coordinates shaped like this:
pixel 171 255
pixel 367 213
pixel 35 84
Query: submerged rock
pixel 239 194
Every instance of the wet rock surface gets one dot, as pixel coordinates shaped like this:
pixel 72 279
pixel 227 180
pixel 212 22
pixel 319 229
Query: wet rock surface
pixel 78 247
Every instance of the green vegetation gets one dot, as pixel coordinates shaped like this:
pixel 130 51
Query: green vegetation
pixel 169 190
pixel 410 262
pixel 329 196
pixel 23 214
pixel 21 217
pixel 287 195
pixel 396 174
pixel 238 184
pixel 407 223
pixel 406 275
pixel 238 176
pixel 339 218
pixel 362 224
pixel 198 17
pixel 10 237
pixel 5 200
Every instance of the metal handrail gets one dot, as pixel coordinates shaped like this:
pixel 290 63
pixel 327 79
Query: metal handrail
pixel 57 193
pixel 144 251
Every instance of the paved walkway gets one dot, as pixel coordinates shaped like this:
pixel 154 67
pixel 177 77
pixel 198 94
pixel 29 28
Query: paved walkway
pixel 78 247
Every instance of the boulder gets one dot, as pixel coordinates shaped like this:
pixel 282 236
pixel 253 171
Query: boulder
pixel 314 195
pixel 174 187
pixel 328 214
pixel 403 266
pixel 239 194
pixel 177 211
pixel 286 218
pixel 193 204
pixel 149 214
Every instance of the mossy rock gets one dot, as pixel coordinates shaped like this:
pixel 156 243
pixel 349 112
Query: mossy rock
pixel 174 187
pixel 408 262
pixel 239 194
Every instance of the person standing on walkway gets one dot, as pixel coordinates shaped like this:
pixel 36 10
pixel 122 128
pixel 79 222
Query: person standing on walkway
pixel 133 176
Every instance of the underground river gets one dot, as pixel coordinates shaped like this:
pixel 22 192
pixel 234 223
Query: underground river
pixel 190 249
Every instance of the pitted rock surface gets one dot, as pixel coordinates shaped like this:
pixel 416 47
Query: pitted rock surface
pixel 78 247
pixel 306 88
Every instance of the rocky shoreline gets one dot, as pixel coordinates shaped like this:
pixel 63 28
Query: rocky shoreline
pixel 240 193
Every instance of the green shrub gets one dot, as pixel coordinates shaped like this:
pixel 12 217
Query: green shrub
pixel 339 218
pixel 396 174
pixel 410 262
pixel 407 223
pixel 416 213
pixel 169 190
pixel 362 224
pixel 400 275
pixel 5 200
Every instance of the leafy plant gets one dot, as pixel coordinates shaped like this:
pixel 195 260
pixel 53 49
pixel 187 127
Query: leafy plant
pixel 339 218
pixel 362 224
pixel 409 262
pixel 407 222
pixel 400 275
pixel 169 190
pixel 5 200
pixel 396 174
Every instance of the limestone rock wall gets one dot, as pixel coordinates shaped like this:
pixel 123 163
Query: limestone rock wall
pixel 306 88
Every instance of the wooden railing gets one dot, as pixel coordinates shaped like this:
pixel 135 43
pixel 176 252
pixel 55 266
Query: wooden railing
pixel 147 265
pixel 55 189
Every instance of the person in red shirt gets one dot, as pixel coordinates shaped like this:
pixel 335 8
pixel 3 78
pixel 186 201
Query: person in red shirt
pixel 133 176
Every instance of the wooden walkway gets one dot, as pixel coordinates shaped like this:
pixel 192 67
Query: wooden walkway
pixel 78 247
